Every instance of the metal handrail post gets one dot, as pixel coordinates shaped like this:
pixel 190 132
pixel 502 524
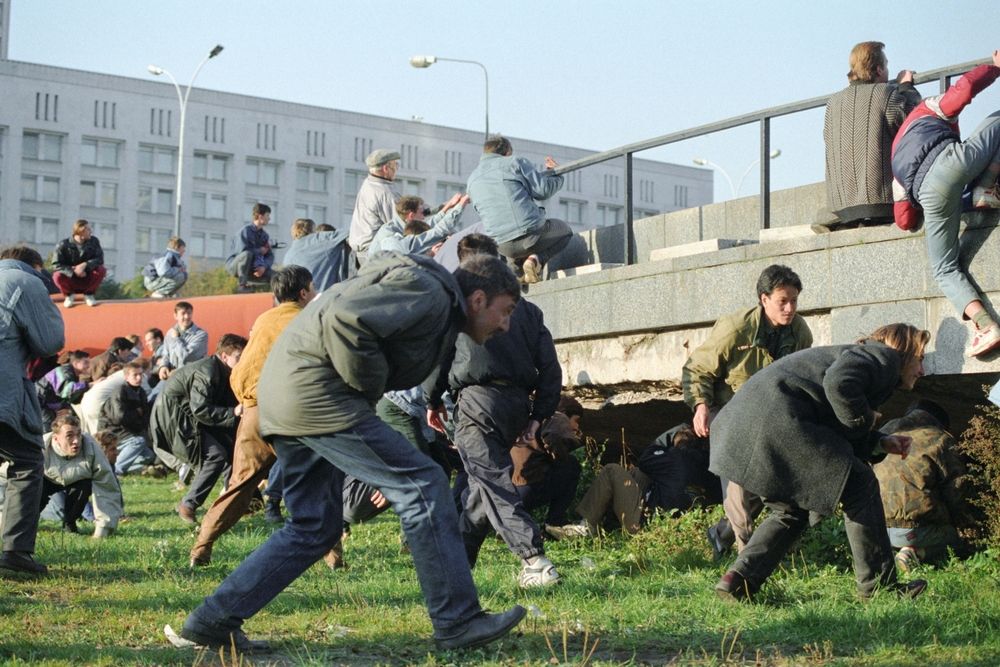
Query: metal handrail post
pixel 765 173
pixel 628 247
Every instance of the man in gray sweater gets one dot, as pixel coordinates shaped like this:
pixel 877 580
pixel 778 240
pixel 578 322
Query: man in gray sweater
pixel 388 328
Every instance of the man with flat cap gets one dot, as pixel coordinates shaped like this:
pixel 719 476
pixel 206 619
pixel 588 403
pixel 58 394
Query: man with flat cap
pixel 376 201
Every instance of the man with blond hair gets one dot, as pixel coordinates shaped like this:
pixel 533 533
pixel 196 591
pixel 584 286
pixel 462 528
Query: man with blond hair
pixel 166 273
pixel 861 122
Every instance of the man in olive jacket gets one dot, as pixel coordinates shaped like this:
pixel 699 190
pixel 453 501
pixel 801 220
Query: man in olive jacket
pixel 387 328
pixel 741 344
pixel 194 419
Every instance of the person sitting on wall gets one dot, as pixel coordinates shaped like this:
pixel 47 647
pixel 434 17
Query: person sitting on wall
pixel 165 274
pixel 251 257
pixel 79 265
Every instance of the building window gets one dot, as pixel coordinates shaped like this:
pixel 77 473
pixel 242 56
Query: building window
pixel 446 191
pixel 204 205
pixel 262 172
pixel 46 107
pixel 267 136
pixel 409 187
pixel 104 114
pixel 453 163
pixel 212 246
pixel 316 143
pixel 41 146
pixel 312 179
pixel 40 188
pixel 160 121
pixel 571 211
pixel 210 166
pixel 574 181
pixel 644 213
pixel 38 230
pixel 215 129
pixel 611 186
pixel 681 196
pixel 157 159
pixel 646 191
pixel 99 195
pixel 98 153
pixel 362 147
pixel 352 183
pixel 409 157
pixel 156 200
pixel 315 213
pixel 108 234
pixel 152 239
pixel 608 215
pixel 3 133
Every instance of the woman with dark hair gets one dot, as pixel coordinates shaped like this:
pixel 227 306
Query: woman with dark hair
pixel 800 434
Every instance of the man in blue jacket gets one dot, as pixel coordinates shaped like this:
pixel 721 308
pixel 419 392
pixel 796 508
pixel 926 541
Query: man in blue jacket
pixel 251 257
pixel 505 191
pixel 166 273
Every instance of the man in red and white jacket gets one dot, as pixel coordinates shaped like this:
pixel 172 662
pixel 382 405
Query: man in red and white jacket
pixel 931 167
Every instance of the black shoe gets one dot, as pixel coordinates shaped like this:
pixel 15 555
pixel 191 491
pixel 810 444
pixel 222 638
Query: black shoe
pixel 735 588
pixel 70 527
pixel 482 629
pixel 236 638
pixel 272 510
pixel 11 560
pixel 910 590
pixel 719 549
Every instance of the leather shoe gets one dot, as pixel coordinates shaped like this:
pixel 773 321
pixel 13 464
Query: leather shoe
pixel 910 590
pixel 11 560
pixel 186 514
pixel 481 629
pixel 733 587
pixel 236 639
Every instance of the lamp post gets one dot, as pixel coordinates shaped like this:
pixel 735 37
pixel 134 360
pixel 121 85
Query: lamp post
pixel 736 190
pixel 183 100
pixel 426 61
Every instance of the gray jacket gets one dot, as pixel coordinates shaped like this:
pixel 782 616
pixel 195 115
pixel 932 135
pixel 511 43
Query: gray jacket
pixel 30 326
pixel 791 433
pixel 387 328
pixel 374 206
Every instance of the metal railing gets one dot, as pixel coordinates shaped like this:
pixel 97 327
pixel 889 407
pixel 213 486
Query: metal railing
pixel 763 117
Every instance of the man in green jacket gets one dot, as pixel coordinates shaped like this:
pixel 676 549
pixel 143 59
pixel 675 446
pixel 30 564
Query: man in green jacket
pixel 388 328
pixel 741 344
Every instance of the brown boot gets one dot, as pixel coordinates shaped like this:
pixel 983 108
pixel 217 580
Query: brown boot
pixel 335 557
pixel 186 514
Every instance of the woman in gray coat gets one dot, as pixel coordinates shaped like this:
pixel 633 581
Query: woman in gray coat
pixel 801 434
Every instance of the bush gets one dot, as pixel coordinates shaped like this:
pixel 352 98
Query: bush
pixel 111 289
pixel 980 443
pixel 201 282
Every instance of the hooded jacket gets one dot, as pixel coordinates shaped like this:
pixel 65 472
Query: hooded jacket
pixel 89 463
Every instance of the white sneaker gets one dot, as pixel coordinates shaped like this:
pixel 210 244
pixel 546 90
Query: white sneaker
pixel 90 299
pixel 570 531
pixel 68 303
pixel 542 573
pixel 532 270
pixel 986 197
pixel 985 339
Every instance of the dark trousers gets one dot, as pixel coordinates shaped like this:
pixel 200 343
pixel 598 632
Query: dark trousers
pixel 241 267
pixel 545 242
pixel 77 497
pixel 557 491
pixel 216 461
pixel 22 504
pixel 488 420
pixel 410 428
pixel 88 284
pixel 864 520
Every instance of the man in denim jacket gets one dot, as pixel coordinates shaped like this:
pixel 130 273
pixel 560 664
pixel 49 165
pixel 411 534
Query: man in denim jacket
pixel 505 191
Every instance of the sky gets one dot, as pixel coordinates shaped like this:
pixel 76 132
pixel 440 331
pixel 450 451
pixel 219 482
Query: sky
pixel 589 74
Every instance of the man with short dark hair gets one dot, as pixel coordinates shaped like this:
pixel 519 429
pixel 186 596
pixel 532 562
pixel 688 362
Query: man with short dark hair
pixel 250 256
pixel 194 421
pixel 185 341
pixel 376 200
pixel 393 235
pixel 31 327
pixel 504 190
pixel 387 328
pixel 63 386
pixel 126 416
pixel 120 352
pixel 165 274
pixel 252 457
pixel 741 344
pixel 78 262
pixel 323 253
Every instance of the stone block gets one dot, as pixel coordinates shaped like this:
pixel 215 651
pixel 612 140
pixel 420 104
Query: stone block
pixel 680 227
pixel 649 236
pixel 583 270
pixel 784 233
pixel 877 273
pixel 711 245
pixel 742 218
pixel 850 323
pixel 713 222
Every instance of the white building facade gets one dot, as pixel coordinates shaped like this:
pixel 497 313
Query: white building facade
pixel 104 148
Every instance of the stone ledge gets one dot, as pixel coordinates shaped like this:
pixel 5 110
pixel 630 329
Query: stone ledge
pixel 697 248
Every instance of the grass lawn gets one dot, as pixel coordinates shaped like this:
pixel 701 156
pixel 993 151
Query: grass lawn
pixel 643 600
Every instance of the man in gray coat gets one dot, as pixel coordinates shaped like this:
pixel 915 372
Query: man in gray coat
pixel 376 201
pixel 388 328
pixel 30 326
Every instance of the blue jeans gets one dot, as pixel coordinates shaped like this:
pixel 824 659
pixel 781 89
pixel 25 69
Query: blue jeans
pixel 133 455
pixel 313 470
pixel 941 198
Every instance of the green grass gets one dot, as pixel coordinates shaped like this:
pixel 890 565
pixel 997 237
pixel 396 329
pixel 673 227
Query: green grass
pixel 647 599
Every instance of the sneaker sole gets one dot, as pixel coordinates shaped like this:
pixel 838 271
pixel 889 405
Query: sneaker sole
pixel 992 346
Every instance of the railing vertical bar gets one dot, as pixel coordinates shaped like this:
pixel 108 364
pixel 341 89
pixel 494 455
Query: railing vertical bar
pixel 765 173
pixel 628 245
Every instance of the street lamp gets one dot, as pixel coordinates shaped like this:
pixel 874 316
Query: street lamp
pixel 183 100
pixel 426 61
pixel 736 191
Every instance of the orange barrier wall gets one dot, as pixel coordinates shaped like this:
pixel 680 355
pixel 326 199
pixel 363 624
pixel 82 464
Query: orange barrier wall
pixel 92 328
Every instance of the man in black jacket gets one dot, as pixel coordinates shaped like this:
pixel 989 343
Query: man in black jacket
pixel 126 416
pixel 194 419
pixel 79 264
pixel 493 384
